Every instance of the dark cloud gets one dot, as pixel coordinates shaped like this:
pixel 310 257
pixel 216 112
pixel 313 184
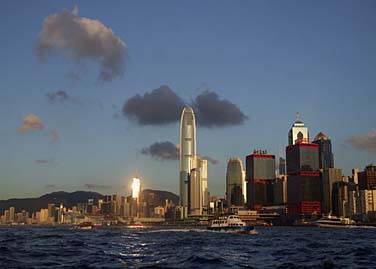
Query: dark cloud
pixel 164 106
pixel 160 106
pixel 81 39
pixel 211 160
pixel 365 142
pixel 162 151
pixel 93 186
pixel 62 97
pixel 214 112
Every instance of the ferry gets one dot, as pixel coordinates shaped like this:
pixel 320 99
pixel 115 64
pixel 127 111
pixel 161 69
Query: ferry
pixel 335 222
pixel 84 226
pixel 230 223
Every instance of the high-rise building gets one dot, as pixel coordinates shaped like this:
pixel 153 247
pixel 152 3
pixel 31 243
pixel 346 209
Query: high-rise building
pixel 204 185
pixel 367 178
pixel 326 159
pixel 12 212
pixel 303 181
pixel 328 177
pixel 282 166
pixel 280 190
pixel 340 199
pixel 260 175
pixel 195 199
pixel 298 133
pixel 235 182
pixel 187 153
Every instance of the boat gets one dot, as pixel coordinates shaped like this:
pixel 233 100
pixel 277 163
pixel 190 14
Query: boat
pixel 230 223
pixel 335 222
pixel 84 226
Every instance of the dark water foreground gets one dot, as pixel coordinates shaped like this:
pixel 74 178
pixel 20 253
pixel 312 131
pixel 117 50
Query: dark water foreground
pixel 113 247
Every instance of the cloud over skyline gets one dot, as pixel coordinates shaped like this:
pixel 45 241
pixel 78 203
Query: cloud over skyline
pixel 162 151
pixel 164 106
pixel 63 97
pixel 211 111
pixel 365 142
pixel 30 123
pixel 160 106
pixel 79 39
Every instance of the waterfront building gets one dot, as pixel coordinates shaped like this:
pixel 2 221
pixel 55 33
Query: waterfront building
pixel 198 195
pixel 235 182
pixel 328 177
pixel 326 159
pixel 367 178
pixel 204 185
pixel 340 199
pixel 280 190
pixel 12 213
pixel 302 165
pixel 44 215
pixel 187 152
pixel 366 203
pixel 260 175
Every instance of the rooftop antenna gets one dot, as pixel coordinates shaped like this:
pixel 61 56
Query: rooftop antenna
pixel 297 116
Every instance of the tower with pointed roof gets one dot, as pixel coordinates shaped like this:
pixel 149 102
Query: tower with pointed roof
pixel 298 132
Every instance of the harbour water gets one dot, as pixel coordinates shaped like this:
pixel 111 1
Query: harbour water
pixel 160 247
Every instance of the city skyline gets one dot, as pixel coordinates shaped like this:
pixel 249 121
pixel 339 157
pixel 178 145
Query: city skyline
pixel 71 122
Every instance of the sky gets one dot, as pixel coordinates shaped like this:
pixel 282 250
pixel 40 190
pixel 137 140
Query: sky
pixel 90 91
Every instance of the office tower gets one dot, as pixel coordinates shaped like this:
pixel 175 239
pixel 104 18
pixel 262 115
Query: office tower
pixel 340 199
pixel 235 182
pixel 367 178
pixel 204 185
pixel 366 202
pixel 195 191
pixel 303 176
pixel 187 153
pixel 260 175
pixel 328 177
pixel 326 159
pixel 280 190
pixel 282 166
pixel 12 212
pixel 355 179
pixel 298 133
pixel 136 194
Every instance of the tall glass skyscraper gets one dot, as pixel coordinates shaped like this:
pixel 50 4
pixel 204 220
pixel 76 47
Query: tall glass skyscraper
pixel 235 182
pixel 326 159
pixel 187 153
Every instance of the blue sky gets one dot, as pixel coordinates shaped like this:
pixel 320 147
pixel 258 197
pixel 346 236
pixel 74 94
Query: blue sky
pixel 269 58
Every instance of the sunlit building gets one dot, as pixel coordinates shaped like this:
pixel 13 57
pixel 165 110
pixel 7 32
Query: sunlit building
pixel 187 153
pixel 235 182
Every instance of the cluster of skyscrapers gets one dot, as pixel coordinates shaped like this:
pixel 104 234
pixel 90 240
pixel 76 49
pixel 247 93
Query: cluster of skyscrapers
pixel 303 185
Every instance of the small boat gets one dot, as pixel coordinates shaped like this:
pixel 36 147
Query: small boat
pixel 230 223
pixel 136 224
pixel 335 222
pixel 84 226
